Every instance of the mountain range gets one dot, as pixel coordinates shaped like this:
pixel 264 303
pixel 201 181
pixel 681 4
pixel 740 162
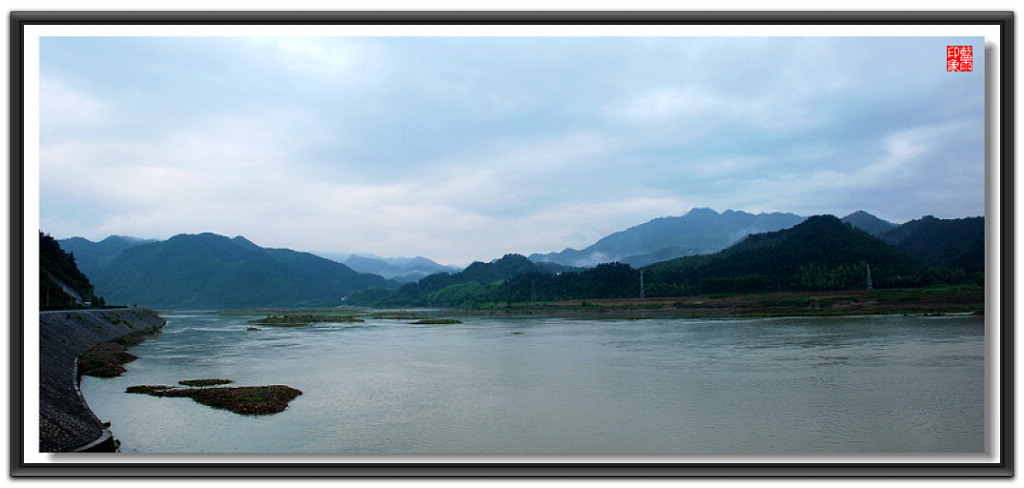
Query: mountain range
pixel 820 253
pixel 212 271
pixel 205 271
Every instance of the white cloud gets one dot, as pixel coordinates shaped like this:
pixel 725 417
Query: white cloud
pixel 462 151
pixel 61 106
pixel 320 56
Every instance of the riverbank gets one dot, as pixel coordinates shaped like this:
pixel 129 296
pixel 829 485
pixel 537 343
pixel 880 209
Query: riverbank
pixel 66 424
pixel 910 301
pixel 906 301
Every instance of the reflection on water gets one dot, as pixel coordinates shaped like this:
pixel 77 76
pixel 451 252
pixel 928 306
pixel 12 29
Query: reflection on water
pixel 548 386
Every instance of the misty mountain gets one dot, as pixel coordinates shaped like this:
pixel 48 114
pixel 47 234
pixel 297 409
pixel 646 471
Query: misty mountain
pixel 91 256
pixel 951 243
pixel 869 223
pixel 820 253
pixel 209 271
pixel 700 231
pixel 402 270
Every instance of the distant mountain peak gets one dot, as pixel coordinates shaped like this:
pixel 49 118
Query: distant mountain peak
pixel 704 211
pixel 399 269
pixel 869 223
pixel 702 230
pixel 245 242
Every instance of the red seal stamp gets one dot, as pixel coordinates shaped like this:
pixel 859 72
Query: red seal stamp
pixel 959 58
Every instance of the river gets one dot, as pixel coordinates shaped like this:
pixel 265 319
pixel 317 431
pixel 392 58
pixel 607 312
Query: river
pixel 871 384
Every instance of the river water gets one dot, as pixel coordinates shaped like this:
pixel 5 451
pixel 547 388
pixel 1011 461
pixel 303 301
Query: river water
pixel 873 384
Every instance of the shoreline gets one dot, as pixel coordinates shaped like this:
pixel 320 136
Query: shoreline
pixel 771 305
pixel 905 301
pixel 66 423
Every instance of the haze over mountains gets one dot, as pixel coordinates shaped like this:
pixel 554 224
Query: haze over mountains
pixel 212 271
pixel 699 231
pixel 402 270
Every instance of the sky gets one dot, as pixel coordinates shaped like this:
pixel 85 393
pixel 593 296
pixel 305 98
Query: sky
pixel 464 149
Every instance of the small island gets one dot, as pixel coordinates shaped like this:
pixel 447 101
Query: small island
pixel 245 400
pixel 299 320
pixel 437 322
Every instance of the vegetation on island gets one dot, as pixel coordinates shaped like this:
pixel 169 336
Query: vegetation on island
pixel 303 319
pixel 204 382
pixel 245 400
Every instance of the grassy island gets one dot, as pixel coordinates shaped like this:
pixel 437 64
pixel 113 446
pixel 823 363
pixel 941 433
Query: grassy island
pixel 437 322
pixel 299 320
pixel 245 400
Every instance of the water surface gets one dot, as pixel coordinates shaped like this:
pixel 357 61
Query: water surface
pixel 556 386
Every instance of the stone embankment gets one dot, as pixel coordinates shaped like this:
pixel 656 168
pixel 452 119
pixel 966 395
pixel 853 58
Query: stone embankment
pixel 66 424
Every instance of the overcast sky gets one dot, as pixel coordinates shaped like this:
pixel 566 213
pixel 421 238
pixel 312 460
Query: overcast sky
pixel 463 149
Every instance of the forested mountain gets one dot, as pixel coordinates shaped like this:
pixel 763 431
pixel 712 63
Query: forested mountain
pixel 949 243
pixel 820 253
pixel 454 289
pixel 61 284
pixel 91 256
pixel 212 271
pixel 700 231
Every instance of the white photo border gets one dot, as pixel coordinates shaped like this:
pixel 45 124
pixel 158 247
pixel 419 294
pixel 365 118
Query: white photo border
pixel 27 27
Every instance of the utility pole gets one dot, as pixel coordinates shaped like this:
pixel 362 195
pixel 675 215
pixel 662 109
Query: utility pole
pixel 869 277
pixel 641 283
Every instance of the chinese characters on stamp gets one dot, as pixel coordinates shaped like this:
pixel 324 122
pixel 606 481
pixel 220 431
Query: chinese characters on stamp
pixel 959 58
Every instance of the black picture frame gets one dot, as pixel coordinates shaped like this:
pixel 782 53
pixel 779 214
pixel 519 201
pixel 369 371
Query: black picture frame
pixel 66 466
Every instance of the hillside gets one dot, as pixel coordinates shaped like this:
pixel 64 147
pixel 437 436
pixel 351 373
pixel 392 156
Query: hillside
pixel 699 231
pixel 61 284
pixel 474 284
pixel 949 243
pixel 208 271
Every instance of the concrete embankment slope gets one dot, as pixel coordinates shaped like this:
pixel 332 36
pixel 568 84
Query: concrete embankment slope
pixel 65 422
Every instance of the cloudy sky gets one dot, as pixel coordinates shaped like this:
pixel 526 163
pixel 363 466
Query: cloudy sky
pixel 467 148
